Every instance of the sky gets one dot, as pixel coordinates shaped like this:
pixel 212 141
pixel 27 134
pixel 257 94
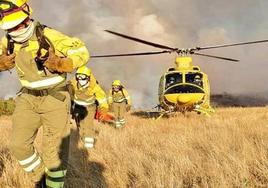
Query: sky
pixel 177 23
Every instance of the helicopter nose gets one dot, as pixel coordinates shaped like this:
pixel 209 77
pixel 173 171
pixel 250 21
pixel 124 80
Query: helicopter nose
pixel 183 99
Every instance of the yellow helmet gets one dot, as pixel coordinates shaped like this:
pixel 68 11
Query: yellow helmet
pixel 83 70
pixel 116 83
pixel 13 12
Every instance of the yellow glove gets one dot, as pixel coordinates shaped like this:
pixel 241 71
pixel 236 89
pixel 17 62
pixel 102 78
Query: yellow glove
pixel 58 64
pixel 7 61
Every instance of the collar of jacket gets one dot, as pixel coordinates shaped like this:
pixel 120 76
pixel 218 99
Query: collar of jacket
pixel 32 38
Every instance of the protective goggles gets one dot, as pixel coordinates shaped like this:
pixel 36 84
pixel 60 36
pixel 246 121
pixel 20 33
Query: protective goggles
pixel 7 8
pixel 116 87
pixel 82 77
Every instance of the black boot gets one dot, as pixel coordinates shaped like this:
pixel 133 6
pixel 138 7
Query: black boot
pixel 41 183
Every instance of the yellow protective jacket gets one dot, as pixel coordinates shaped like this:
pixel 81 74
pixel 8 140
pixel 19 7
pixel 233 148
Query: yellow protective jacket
pixel 118 97
pixel 89 95
pixel 33 78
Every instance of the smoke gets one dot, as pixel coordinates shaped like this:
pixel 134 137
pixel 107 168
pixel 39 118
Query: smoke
pixel 178 23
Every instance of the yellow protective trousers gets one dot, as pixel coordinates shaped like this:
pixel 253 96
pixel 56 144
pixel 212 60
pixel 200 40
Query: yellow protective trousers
pixel 119 110
pixel 32 113
pixel 87 129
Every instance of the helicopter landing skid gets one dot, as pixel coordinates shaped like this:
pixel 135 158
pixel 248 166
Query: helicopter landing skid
pixel 163 114
pixel 169 113
pixel 200 110
pixel 205 111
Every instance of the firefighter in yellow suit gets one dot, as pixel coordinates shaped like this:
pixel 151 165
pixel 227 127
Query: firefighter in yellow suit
pixel 88 96
pixel 119 102
pixel 42 57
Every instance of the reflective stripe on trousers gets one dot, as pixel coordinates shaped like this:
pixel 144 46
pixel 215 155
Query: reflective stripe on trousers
pixel 55 179
pixel 31 163
pixel 118 124
pixel 89 142
pixel 122 121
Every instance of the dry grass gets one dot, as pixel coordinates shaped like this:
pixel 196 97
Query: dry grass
pixel 229 149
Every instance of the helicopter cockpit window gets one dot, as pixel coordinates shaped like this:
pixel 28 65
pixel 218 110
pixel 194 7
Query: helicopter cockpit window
pixel 194 78
pixel 172 79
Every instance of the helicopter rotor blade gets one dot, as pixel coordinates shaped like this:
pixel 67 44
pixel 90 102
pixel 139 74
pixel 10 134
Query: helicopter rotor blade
pixel 229 45
pixel 141 41
pixel 217 57
pixel 131 54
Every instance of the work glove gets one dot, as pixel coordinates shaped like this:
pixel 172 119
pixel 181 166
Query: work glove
pixel 7 61
pixel 103 112
pixel 128 108
pixel 105 116
pixel 58 64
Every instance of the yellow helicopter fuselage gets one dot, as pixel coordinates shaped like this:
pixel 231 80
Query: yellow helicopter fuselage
pixel 184 88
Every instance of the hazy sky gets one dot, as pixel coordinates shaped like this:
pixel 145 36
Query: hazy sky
pixel 178 23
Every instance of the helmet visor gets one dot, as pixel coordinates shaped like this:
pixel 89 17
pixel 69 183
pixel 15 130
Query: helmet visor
pixel 81 77
pixel 116 88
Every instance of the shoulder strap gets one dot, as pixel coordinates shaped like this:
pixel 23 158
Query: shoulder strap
pixel 122 90
pixel 44 42
pixel 10 44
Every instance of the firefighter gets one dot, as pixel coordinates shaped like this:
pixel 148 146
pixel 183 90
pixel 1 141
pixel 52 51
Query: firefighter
pixel 88 96
pixel 119 102
pixel 42 57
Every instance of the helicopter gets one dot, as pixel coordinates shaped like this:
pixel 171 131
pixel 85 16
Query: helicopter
pixel 184 87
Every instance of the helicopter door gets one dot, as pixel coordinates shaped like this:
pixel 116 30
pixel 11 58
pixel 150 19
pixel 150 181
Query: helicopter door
pixel 194 78
pixel 173 78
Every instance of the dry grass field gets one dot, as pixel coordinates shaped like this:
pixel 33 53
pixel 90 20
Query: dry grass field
pixel 230 149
